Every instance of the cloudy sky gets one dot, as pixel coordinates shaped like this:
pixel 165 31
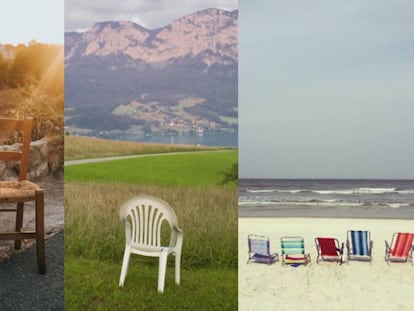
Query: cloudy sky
pixel 24 20
pixel 81 15
pixel 326 89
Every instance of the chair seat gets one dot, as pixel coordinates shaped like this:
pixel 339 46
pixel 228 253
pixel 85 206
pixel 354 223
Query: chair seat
pixel 139 248
pixel 296 259
pixel 17 191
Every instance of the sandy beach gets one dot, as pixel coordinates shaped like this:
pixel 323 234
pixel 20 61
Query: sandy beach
pixel 327 285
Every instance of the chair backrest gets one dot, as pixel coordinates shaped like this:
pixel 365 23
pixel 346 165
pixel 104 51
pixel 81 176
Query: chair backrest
pixel 360 242
pixel 294 245
pixel 259 245
pixel 25 127
pixel 328 246
pixel 145 215
pixel 403 244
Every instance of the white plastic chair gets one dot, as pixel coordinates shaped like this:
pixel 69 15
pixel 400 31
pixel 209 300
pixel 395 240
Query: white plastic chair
pixel 143 217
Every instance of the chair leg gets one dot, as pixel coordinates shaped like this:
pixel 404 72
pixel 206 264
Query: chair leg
pixel 125 264
pixel 177 267
pixel 19 223
pixel 40 232
pixel 161 270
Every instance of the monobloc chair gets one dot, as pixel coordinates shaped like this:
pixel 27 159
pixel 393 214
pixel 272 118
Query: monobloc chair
pixel 21 190
pixel 259 250
pixel 143 217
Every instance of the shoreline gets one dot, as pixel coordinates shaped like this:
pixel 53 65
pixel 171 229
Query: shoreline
pixel 329 212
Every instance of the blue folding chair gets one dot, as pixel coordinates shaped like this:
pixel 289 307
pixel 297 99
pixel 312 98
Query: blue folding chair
pixel 259 250
pixel 359 245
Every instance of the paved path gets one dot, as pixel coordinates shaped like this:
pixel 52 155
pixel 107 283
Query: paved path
pixel 22 288
pixel 85 161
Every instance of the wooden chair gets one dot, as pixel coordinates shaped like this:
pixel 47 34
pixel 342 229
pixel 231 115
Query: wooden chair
pixel 21 191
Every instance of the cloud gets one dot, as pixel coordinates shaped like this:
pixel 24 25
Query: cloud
pixel 81 14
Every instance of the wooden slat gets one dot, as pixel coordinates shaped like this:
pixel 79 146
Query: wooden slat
pixel 17 235
pixel 10 155
pixel 12 124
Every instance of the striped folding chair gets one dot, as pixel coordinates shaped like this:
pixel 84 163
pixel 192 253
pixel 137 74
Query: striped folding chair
pixel 259 250
pixel 359 245
pixel 401 248
pixel 293 250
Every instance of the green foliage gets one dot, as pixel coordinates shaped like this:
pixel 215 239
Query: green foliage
pixel 46 109
pixel 35 74
pixel 231 175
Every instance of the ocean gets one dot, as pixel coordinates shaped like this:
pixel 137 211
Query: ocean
pixel 326 198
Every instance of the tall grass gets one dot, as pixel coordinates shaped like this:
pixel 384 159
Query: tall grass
pixel 207 216
pixel 77 147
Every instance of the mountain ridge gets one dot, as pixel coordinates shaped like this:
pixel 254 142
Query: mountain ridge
pixel 180 77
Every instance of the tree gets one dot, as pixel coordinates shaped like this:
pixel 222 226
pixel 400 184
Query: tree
pixel 231 175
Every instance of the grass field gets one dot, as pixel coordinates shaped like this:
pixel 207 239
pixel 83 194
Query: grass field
pixel 186 169
pixel 94 238
pixel 78 147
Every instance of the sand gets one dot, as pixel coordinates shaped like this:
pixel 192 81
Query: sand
pixel 327 285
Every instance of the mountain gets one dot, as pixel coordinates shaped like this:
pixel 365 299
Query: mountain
pixel 122 76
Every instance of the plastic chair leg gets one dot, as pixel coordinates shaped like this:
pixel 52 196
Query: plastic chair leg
pixel 161 270
pixel 125 264
pixel 177 267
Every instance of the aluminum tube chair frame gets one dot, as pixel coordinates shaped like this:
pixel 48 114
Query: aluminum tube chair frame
pixel 401 248
pixel 293 250
pixel 143 217
pixel 21 191
pixel 259 250
pixel 329 249
pixel 359 245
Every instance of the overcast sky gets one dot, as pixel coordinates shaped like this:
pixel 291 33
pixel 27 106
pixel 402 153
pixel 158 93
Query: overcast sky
pixel 326 89
pixel 24 20
pixel 80 15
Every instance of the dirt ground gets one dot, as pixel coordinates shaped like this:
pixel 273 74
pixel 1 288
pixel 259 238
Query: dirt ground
pixel 54 215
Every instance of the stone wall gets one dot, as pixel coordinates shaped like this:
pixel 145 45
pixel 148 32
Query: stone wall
pixel 46 158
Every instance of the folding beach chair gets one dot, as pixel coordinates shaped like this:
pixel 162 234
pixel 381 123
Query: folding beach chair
pixel 359 245
pixel 401 249
pixel 259 250
pixel 293 250
pixel 329 250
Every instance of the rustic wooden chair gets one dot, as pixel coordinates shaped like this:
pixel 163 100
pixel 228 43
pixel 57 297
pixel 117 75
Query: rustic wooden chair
pixel 21 191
